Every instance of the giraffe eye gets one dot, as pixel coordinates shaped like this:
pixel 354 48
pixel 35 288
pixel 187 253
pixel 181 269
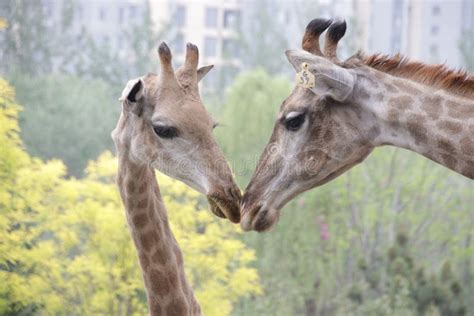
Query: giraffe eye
pixel 165 131
pixel 294 123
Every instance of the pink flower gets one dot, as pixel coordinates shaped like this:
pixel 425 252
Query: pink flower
pixel 323 230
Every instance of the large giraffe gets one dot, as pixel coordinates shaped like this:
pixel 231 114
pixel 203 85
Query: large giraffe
pixel 164 125
pixel 340 111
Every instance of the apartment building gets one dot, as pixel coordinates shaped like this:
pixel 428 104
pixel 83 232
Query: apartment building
pixel 427 30
pixel 108 22
pixel 212 25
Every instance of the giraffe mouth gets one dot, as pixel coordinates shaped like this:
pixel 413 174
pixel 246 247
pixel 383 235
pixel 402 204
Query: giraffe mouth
pixel 259 218
pixel 225 205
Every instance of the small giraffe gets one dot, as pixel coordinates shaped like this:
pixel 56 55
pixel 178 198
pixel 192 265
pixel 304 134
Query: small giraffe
pixel 332 122
pixel 164 125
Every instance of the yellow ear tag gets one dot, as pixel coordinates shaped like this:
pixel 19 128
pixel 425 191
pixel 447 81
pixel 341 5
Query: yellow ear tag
pixel 305 78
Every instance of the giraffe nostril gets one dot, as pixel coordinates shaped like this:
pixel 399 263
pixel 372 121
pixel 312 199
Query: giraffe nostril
pixel 248 198
pixel 260 223
pixel 248 216
pixel 236 193
pixel 215 209
pixel 228 192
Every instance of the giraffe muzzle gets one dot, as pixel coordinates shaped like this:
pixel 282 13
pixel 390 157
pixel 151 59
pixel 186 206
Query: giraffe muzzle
pixel 226 203
pixel 259 218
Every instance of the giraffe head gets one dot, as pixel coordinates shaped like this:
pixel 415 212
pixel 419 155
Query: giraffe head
pixel 320 131
pixel 165 125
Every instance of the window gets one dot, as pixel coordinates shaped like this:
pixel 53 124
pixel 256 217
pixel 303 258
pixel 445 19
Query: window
pixel 230 48
pixel 434 29
pixel 211 17
pixel 102 14
pixel 121 14
pixel 434 50
pixel 231 19
pixel 436 10
pixel 133 11
pixel 180 16
pixel 210 46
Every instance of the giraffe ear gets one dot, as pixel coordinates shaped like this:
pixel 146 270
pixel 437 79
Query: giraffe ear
pixel 330 79
pixel 132 94
pixel 202 72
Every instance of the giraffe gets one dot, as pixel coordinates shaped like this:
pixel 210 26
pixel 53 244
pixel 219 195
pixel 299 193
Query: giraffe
pixel 164 125
pixel 341 110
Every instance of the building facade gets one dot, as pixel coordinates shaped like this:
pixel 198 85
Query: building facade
pixel 107 22
pixel 428 30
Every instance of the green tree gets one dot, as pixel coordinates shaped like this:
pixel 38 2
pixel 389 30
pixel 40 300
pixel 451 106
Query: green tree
pixel 70 93
pixel 247 118
pixel 406 289
pixel 100 61
pixel 26 45
pixel 263 38
pixel 65 248
pixel 14 241
pixel 67 118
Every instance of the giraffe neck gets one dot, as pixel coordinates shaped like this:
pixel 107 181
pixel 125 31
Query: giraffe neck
pixel 161 260
pixel 431 122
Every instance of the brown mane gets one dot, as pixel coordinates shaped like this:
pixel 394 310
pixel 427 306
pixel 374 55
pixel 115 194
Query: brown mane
pixel 439 76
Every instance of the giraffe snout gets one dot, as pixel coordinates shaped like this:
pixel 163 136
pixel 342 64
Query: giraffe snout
pixel 225 202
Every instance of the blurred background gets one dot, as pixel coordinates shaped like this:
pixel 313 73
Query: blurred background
pixel 393 236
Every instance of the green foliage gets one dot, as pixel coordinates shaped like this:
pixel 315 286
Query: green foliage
pixel 29 28
pixel 65 248
pixel 406 290
pixel 68 83
pixel 26 32
pixel 66 117
pixel 363 209
pixel 249 113
pixel 263 38
pixel 100 60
